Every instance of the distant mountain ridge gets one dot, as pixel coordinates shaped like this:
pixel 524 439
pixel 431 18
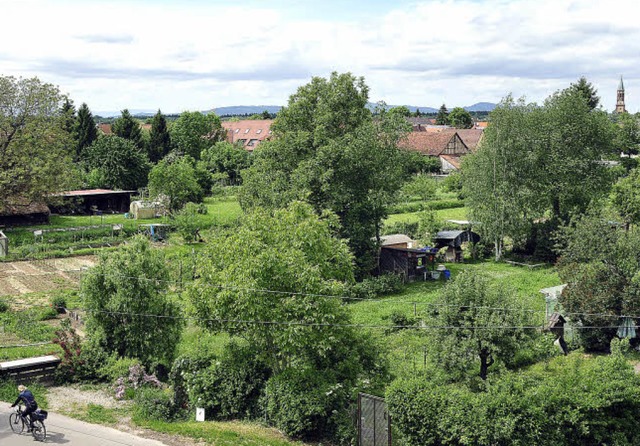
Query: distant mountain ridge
pixel 257 109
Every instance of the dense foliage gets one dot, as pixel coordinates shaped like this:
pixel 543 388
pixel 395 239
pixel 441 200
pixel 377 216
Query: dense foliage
pixel 175 179
pixel 130 312
pixel 116 163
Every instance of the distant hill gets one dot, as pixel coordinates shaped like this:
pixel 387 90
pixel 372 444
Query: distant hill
pixel 481 107
pixel 256 109
pixel 244 110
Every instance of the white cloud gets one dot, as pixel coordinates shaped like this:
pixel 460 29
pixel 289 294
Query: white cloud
pixel 196 55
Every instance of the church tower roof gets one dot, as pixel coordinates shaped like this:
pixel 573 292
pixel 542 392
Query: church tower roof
pixel 621 84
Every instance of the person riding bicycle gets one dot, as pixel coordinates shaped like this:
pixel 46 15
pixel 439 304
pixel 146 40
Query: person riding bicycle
pixel 29 401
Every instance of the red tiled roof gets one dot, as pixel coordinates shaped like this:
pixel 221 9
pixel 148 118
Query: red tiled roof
pixel 253 132
pixel 428 143
pixel 105 128
pixel 471 137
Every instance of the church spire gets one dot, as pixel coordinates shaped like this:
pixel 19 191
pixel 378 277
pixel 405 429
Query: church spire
pixel 620 108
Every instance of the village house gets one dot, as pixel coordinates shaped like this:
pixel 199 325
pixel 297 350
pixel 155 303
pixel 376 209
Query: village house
pixel 447 145
pixel 250 133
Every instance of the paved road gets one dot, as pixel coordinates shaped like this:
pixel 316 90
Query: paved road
pixel 70 432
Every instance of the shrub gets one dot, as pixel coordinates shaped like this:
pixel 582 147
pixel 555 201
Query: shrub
pixel 154 404
pixel 300 402
pixel 373 287
pixel 59 303
pixel 4 305
pixel 116 367
pixel 231 386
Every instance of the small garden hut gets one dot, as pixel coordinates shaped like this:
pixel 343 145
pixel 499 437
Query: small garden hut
pixel 453 241
pixel 145 209
pixel 399 255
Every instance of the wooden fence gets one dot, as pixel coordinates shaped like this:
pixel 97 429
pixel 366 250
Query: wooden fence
pixel 41 369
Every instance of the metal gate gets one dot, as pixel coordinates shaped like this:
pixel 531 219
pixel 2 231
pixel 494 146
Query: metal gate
pixel 374 422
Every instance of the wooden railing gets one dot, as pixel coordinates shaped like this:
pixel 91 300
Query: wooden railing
pixel 41 369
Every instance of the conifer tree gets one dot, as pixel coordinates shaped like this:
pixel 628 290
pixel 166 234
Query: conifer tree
pixel 128 127
pixel 160 140
pixel 84 132
pixel 442 117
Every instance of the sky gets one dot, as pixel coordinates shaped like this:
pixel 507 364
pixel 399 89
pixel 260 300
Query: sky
pixel 199 55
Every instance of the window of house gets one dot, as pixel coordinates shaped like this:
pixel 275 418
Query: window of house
pixel 252 142
pixel 237 130
pixel 246 131
pixel 259 131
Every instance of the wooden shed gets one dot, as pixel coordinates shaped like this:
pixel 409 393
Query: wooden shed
pixel 453 241
pixel 399 255
pixel 23 213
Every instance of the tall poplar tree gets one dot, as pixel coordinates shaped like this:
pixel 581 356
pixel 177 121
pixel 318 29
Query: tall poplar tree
pixel 442 118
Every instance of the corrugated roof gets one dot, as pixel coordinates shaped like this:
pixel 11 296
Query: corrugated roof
pixel 395 239
pixel 85 192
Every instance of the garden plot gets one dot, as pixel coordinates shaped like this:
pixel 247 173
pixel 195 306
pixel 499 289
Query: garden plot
pixel 18 278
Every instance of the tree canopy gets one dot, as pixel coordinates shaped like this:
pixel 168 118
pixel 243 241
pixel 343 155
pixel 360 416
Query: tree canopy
pixel 330 152
pixel 175 178
pixel 35 147
pixel 530 161
pixel 193 132
pixel 587 91
pixel 460 118
pixel 127 127
pixel 159 138
pixel 442 118
pixel 116 163
pixel 85 130
pixel 129 311
pixel 226 158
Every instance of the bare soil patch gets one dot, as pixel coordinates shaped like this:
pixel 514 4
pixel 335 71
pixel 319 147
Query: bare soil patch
pixel 19 278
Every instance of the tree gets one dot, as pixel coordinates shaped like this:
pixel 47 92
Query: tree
pixel 224 157
pixel 329 151
pixel 68 111
pixel 481 333
pixel 85 130
pixel 127 127
pixel 600 265
pixel 627 137
pixel 34 145
pixel 460 118
pixel 116 163
pixel 159 138
pixel 401 110
pixel 193 132
pixel 442 118
pixel 625 198
pixel 586 91
pixel 176 179
pixel 129 311
pixel 530 161
pixel 418 113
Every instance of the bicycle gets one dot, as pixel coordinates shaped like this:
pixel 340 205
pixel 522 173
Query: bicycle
pixel 18 422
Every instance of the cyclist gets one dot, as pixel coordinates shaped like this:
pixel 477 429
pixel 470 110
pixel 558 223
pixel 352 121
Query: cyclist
pixel 29 402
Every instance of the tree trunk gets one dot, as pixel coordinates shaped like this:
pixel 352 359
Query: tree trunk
pixel 486 360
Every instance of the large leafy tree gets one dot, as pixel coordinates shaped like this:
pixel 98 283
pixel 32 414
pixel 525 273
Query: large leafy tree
pixel 116 163
pixel 130 312
pixel 600 265
pixel 34 143
pixel 330 152
pixel 159 138
pixel 460 118
pixel 226 158
pixel 627 136
pixel 175 178
pixel 477 331
pixel 530 161
pixel 85 130
pixel 127 127
pixel 193 132
pixel 625 197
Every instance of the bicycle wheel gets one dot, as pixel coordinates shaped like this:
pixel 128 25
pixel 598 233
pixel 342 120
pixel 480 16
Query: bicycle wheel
pixel 16 422
pixel 39 431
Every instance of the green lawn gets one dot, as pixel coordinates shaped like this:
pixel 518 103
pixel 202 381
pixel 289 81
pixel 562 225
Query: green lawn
pixel 442 214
